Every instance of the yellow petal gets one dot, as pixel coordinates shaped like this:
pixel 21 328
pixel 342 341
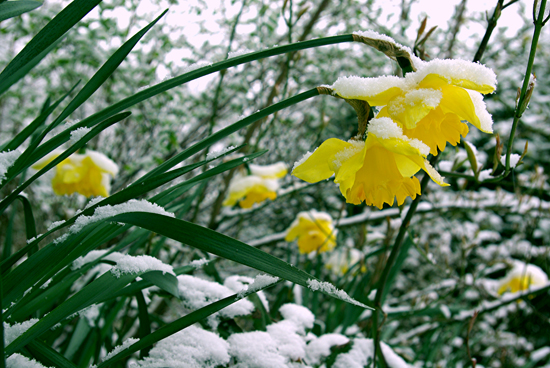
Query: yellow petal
pixel 457 100
pixel 437 81
pixel 319 165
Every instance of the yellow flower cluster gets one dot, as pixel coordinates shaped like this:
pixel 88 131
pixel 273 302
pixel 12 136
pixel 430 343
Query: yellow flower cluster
pixel 88 174
pixel 314 230
pixel 260 185
pixel 419 114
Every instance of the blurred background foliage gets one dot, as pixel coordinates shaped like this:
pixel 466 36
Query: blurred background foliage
pixel 463 239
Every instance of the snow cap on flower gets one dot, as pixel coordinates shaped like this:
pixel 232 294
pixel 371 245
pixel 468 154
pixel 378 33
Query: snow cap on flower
pixel 375 171
pixel 262 184
pixel 431 103
pixel 315 232
pixel 88 174
pixel 522 277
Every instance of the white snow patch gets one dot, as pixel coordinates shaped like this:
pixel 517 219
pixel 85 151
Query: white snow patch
pixel 20 361
pixel 12 332
pixel 255 349
pixel 139 264
pixel 348 152
pixel 7 159
pixel 192 347
pixel 259 283
pixel 77 134
pixel 319 348
pixel 362 353
pixel 386 128
pixel 514 159
pixel 273 171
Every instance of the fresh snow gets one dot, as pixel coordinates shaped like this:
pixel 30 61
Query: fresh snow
pixel 77 134
pixel 330 289
pixel 7 159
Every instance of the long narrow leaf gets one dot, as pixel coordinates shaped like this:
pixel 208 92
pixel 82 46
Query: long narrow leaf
pixel 48 356
pixel 56 28
pixel 10 9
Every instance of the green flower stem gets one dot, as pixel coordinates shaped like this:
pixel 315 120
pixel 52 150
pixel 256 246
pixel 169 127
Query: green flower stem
pixel 522 102
pixel 389 264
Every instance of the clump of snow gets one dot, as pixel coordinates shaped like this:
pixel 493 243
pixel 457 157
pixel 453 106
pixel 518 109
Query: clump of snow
pixel 255 349
pixel 260 282
pixel 197 263
pixel 117 349
pixel 90 314
pixel 319 348
pixel 428 96
pixel 77 134
pixel 299 315
pixel 12 332
pixel 94 201
pixel 124 263
pixel 330 289
pixel 107 211
pixel 192 347
pixel 485 174
pixel 362 353
pixel 20 361
pixel 7 159
pixel 139 264
pixel 354 87
pixel 375 36
pixel 244 183
pixel 197 293
pixel 514 159
pixel 215 154
pixel 55 224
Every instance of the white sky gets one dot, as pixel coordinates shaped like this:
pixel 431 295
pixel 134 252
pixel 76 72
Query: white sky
pixel 439 13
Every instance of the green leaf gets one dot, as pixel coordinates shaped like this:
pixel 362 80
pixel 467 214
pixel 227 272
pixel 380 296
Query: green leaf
pixel 165 281
pixel 34 125
pixel 103 73
pixel 30 225
pixel 55 29
pixel 222 245
pixel 403 253
pixel 97 290
pixel 48 356
pixel 10 9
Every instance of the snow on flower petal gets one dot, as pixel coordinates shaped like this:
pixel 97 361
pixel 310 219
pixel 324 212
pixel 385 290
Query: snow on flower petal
pixel 375 171
pixel 314 230
pixel 88 174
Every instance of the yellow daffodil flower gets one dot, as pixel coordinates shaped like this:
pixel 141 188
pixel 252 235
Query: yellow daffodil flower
pixel 342 259
pixel 88 174
pixel 431 103
pixel 521 278
pixel 314 230
pixel 375 171
pixel 262 184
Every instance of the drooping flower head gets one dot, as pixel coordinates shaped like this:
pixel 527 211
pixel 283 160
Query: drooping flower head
pixel 88 174
pixel 260 185
pixel 522 277
pixel 315 232
pixel 431 103
pixel 375 171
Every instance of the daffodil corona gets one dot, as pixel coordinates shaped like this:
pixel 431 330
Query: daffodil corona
pixel 260 185
pixel 314 230
pixel 375 171
pixel 88 174
pixel 431 103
